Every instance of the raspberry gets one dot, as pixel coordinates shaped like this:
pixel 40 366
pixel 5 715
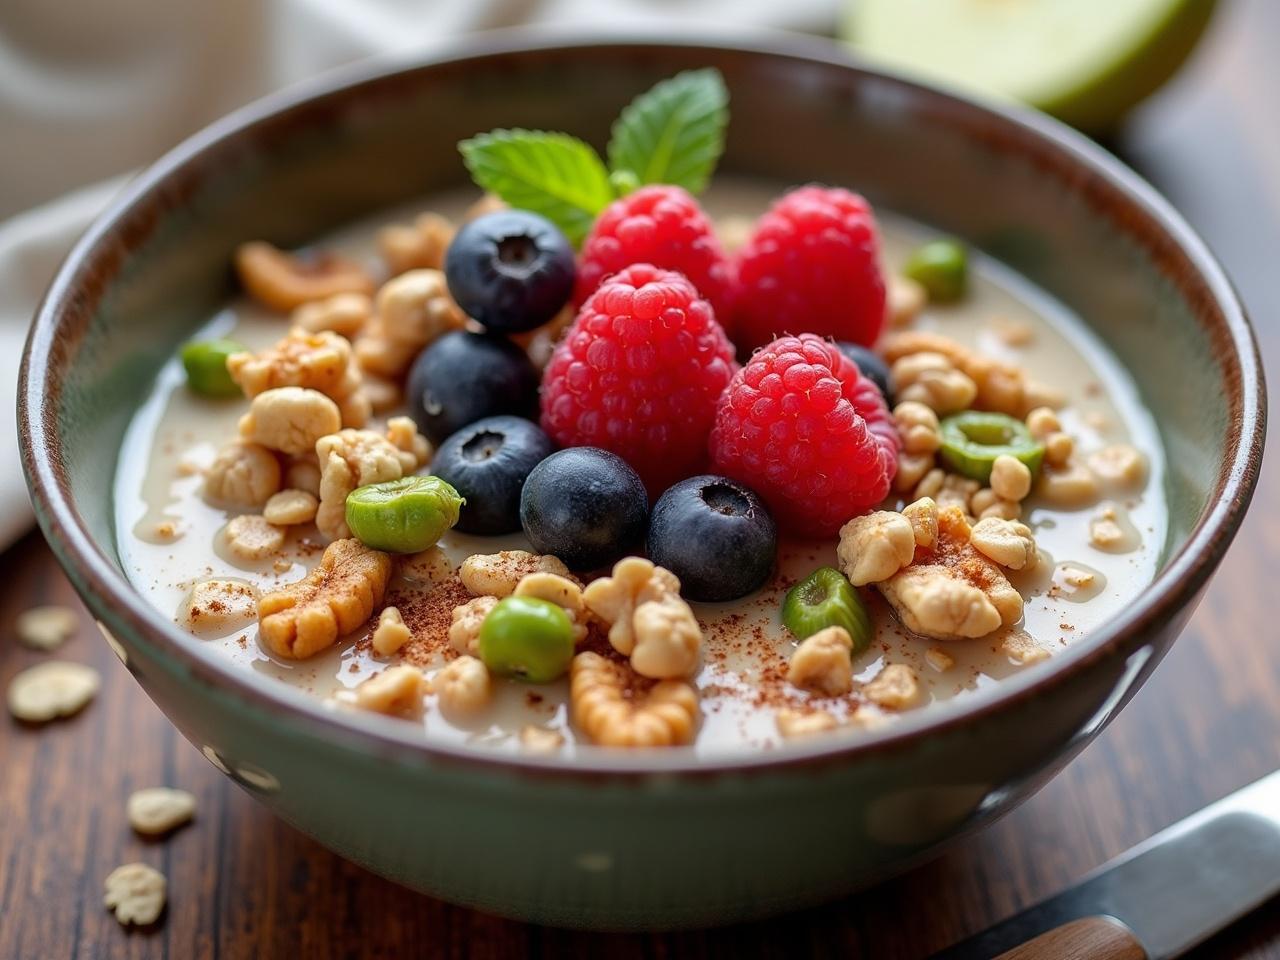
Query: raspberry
pixel 801 426
pixel 811 266
pixel 660 225
pixel 639 373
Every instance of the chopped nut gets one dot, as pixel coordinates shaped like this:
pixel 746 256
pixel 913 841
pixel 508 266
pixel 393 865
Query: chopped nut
pixel 135 892
pixel 1036 395
pixel 931 485
pixel 462 687
pixel 997 386
pixel 243 474
pixel 1076 583
pixel 956 491
pixel 411 311
pixel 794 724
pixel 290 508
pixel 284 282
pixel 648 620
pixel 1042 422
pixel 158 810
pixel 875 547
pixel 1022 649
pixel 396 691
pixel 320 361
pixel 421 245
pixel 1001 510
pixel 55 688
pixel 431 566
pixel 1010 478
pixel 391 633
pixel 1111 530
pixel 953 590
pixel 894 688
pixel 464 631
pixel 823 663
pixel 1072 486
pixel 537 739
pixel 939 659
pixel 923 516
pixel 904 299
pixel 404 436
pixel 1058 447
pixel 918 427
pixel 1013 333
pixel 980 501
pixel 383 394
pixel 1007 542
pixel 610 713
pixel 219 605
pixel 334 599
pixel 912 468
pixel 354 458
pixel 343 314
pixel 251 537
pixel 46 628
pixel 497 574
pixel 561 591
pixel 290 419
pixel 1119 467
pixel 303 473
pixel 930 379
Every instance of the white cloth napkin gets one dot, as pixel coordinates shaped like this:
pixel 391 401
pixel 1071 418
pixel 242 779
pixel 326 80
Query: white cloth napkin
pixel 128 79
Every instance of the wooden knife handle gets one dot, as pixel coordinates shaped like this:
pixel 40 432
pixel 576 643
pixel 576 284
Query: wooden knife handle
pixel 1091 938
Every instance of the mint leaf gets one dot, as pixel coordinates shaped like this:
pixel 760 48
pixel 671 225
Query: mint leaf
pixel 673 133
pixel 553 174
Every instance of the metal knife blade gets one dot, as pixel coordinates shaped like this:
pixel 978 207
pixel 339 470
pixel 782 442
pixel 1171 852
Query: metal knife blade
pixel 1174 890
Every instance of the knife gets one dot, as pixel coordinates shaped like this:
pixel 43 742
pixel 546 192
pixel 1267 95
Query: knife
pixel 1158 899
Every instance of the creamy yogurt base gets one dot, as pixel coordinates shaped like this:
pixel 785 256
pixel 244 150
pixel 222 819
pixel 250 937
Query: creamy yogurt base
pixel 176 433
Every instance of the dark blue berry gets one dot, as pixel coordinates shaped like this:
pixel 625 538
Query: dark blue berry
pixel 870 364
pixel 463 377
pixel 487 462
pixel 585 506
pixel 716 535
pixel 511 270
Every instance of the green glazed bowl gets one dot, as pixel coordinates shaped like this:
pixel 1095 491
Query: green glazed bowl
pixel 640 840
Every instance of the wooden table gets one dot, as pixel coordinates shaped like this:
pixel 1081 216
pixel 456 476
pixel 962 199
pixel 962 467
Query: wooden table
pixel 242 884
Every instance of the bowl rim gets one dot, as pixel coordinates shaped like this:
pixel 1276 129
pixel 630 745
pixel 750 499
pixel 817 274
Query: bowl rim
pixel 1175 587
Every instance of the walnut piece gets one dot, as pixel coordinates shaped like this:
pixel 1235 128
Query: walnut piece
pixel 290 419
pixel 46 628
pixel 331 601
pixel 904 299
pixel 876 546
pixel 998 386
pixel 157 810
pixel 648 620
pixel 1070 486
pixel 343 314
pixel 894 688
pixel 283 281
pixel 354 458
pixel 498 574
pixel 55 688
pixel 391 633
pixel 431 566
pixel 303 473
pixel 561 591
pixel 931 380
pixel 251 537
pixel 1119 467
pixel 1007 542
pixel 468 618
pixel 320 361
pixel 794 724
pixel 242 474
pixel 610 712
pixel 952 590
pixel 412 247
pixel 918 427
pixel 135 892
pixel 411 311
pixel 922 514
pixel 823 663
pixel 1010 478
pixel 219 605
pixel 462 687
pixel 396 691
pixel 912 469
pixel 291 508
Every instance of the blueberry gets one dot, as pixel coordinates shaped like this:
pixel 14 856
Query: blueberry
pixel 585 506
pixel 463 377
pixel 511 270
pixel 870 364
pixel 487 463
pixel 716 535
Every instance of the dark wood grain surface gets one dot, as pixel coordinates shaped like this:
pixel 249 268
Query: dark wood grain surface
pixel 242 884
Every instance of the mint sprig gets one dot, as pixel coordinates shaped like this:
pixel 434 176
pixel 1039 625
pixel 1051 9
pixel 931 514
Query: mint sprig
pixel 553 174
pixel 672 133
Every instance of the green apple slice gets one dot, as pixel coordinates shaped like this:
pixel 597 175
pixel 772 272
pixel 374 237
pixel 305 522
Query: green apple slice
pixel 1084 61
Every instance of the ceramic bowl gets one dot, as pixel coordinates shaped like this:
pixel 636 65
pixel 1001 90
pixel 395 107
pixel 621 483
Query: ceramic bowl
pixel 641 840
